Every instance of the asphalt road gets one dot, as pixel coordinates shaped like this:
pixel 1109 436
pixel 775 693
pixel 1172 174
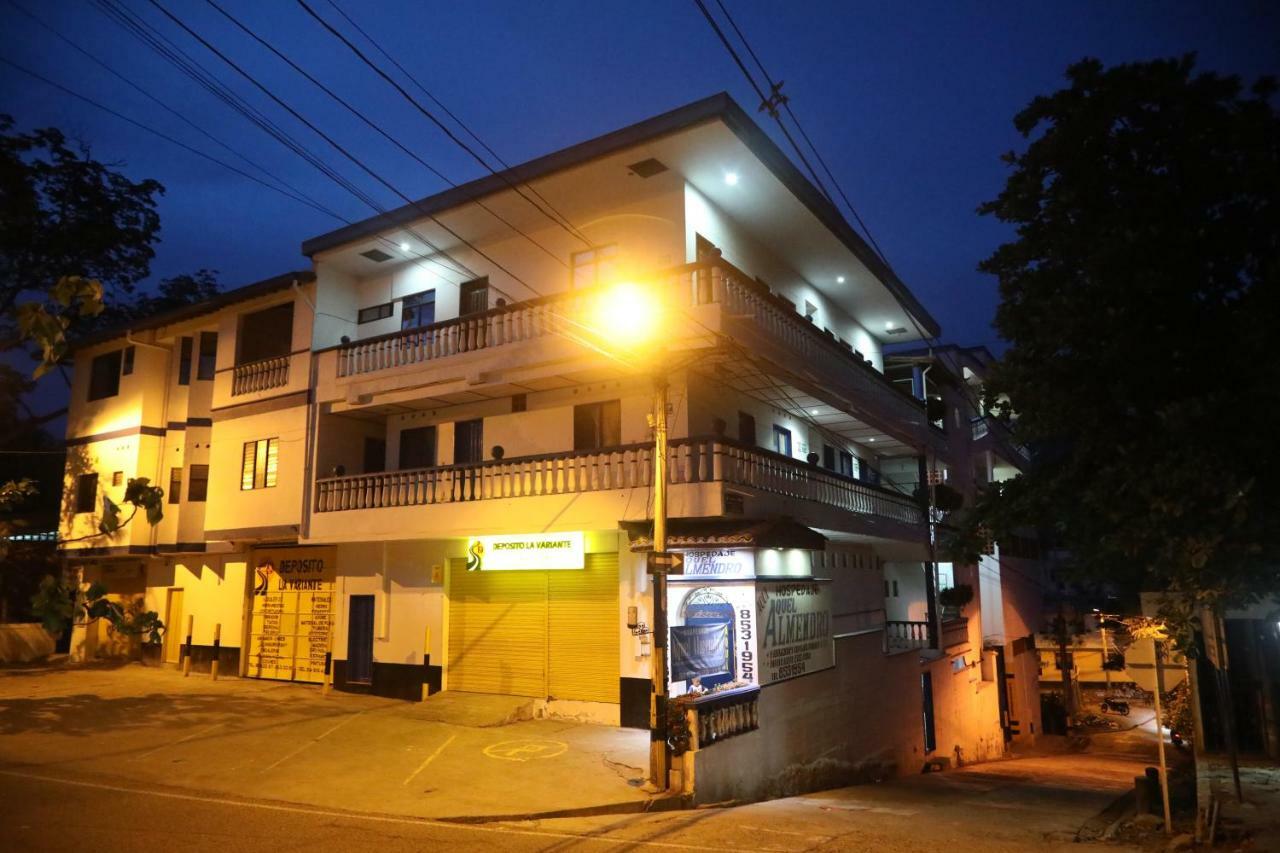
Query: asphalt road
pixel 40 815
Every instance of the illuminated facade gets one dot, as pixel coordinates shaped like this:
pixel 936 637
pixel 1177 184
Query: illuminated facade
pixel 436 461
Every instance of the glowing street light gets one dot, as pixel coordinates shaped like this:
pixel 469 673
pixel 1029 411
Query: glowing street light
pixel 627 316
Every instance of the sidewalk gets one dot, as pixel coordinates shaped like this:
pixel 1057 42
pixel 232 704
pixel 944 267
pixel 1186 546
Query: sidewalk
pixel 457 756
pixel 1258 816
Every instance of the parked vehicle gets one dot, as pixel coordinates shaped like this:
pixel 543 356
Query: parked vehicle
pixel 1115 706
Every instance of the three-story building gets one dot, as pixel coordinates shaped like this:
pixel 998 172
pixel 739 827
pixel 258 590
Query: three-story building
pixel 432 458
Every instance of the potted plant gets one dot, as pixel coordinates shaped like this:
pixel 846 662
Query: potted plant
pixel 953 599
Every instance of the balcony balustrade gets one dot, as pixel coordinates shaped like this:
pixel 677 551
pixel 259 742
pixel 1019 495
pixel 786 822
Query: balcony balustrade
pixel 900 636
pixel 692 460
pixel 743 299
pixel 260 375
pixel 709 718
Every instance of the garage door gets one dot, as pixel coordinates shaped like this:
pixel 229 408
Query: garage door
pixel 536 633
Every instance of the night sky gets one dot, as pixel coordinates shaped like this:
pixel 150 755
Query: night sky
pixel 911 103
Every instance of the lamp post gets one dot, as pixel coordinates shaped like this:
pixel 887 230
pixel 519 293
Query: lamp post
pixel 627 317
pixel 659 757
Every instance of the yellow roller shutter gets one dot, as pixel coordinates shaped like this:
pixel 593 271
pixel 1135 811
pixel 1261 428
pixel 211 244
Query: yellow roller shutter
pixel 583 631
pixel 498 631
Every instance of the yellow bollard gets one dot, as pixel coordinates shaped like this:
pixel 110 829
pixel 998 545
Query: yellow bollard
pixel 186 659
pixel 217 644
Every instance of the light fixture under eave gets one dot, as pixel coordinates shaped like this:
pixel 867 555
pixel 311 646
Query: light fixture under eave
pixel 404 247
pixel 870 439
pixel 839 279
pixel 731 178
pixel 888 324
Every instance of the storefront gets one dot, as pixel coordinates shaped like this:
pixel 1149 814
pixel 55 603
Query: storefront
pixel 536 615
pixel 291 621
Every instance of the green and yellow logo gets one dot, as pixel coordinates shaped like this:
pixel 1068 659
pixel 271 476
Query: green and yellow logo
pixel 475 556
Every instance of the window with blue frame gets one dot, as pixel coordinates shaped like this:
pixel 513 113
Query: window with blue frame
pixel 782 440
pixel 418 310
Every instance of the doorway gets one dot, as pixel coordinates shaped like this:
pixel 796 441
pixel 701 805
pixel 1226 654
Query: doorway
pixel 926 690
pixel 173 637
pixel 360 640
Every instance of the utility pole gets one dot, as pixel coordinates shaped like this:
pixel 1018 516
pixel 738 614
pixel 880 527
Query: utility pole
pixel 1106 672
pixel 659 759
pixel 1158 650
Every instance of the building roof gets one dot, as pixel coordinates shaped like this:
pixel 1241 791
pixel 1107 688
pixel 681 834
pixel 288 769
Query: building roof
pixel 727 533
pixel 720 107
pixel 209 306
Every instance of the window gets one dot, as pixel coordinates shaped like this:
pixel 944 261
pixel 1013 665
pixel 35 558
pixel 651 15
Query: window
pixel 127 369
pixel 375 455
pixel 468 442
pixel 184 362
pixel 198 484
pixel 208 355
pixel 519 402
pixel 746 428
pixel 418 310
pixel 265 334
pixel 828 457
pixel 375 312
pixel 104 375
pixel 782 440
pixel 117 478
pixel 175 485
pixel 594 266
pixel 418 448
pixel 895 589
pixel 597 425
pixel 86 493
pixel 473 297
pixel 258 469
pixel 846 464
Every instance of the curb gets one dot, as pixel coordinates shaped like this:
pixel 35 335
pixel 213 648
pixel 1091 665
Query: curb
pixel 670 803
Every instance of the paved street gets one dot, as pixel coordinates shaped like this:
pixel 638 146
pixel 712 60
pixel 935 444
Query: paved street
pixel 179 765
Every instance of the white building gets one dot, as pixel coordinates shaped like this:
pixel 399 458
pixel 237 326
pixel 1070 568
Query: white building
pixel 432 458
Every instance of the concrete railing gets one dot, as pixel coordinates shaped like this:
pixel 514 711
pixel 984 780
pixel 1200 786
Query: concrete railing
pixel 900 635
pixel 510 324
pixel 691 460
pixel 260 375
pixel 955 632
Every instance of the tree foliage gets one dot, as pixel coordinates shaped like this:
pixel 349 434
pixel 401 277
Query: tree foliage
pixel 1139 297
pixel 60 606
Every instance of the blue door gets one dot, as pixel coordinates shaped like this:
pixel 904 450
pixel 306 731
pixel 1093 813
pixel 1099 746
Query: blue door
pixel 360 640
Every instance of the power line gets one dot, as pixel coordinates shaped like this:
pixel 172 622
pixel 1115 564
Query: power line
pixel 435 120
pixel 785 103
pixel 163 135
pixel 377 128
pixel 418 83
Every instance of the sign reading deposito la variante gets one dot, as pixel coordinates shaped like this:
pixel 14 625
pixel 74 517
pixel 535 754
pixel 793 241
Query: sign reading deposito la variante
pixel 526 552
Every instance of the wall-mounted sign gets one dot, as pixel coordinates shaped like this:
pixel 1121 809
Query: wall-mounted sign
pixel 720 563
pixel 526 552
pixel 703 620
pixel 292 613
pixel 794 632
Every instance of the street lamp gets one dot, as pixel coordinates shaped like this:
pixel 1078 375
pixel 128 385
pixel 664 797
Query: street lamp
pixel 629 318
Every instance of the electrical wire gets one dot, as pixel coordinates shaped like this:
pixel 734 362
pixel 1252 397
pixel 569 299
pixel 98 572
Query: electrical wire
pixel 382 132
pixel 445 109
pixel 434 119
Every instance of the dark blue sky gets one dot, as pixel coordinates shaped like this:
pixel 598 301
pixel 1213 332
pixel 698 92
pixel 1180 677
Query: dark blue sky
pixel 911 103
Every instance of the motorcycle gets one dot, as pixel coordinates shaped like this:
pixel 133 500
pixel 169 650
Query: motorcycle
pixel 1115 706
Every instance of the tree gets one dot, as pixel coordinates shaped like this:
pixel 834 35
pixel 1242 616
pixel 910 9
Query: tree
pixel 1139 297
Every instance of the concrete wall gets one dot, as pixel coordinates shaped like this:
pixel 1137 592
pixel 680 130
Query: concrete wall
pixel 911 604
pixel 215 591
pixel 24 642
pixel 860 721
pixel 742 250
pixel 229 507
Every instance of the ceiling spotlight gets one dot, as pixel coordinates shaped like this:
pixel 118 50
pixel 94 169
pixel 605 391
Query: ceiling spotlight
pixel 731 178
pixel 839 279
pixel 888 325
pixel 870 439
pixel 404 247
pixel 813 411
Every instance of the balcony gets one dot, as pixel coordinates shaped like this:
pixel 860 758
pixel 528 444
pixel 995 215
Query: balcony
pixel 902 636
pixel 719 301
pixel 692 461
pixel 263 375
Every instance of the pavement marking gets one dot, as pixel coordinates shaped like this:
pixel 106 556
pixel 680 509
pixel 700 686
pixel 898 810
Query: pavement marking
pixel 371 818
pixel 282 759
pixel 176 742
pixel 525 750
pixel 430 758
